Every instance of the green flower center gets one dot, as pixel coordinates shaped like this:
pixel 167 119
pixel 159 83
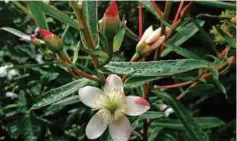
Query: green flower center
pixel 111 106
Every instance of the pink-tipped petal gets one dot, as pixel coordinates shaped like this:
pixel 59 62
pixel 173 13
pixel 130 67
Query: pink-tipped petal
pixel 154 36
pixel 95 127
pixel 120 130
pixel 158 43
pixel 88 95
pixel 136 105
pixel 113 82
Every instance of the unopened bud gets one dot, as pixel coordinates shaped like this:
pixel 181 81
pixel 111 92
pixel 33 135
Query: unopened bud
pixel 149 41
pixel 53 41
pixel 110 22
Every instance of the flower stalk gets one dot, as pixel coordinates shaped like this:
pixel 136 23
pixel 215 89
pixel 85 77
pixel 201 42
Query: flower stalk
pixel 77 6
pixel 168 6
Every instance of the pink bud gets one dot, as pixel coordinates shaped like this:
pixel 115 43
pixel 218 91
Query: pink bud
pixel 110 22
pixel 51 40
pixel 112 10
pixel 44 33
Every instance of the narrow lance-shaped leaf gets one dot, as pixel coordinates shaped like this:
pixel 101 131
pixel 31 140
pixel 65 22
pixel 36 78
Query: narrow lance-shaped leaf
pixel 151 115
pixel 231 42
pixel 203 122
pixel 184 52
pixel 215 75
pixel 191 126
pixel 57 94
pixel 39 16
pixel 118 39
pixel 53 12
pixel 25 124
pixel 218 4
pixel 183 34
pixel 17 33
pixel 91 14
pixel 205 36
pixel 135 81
pixel 154 68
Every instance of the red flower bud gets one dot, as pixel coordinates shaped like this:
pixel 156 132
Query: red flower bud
pixel 51 40
pixel 110 22
pixel 44 33
pixel 112 11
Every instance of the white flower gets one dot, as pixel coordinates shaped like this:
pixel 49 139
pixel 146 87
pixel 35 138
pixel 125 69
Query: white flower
pixel 3 70
pixel 12 73
pixel 112 106
pixel 6 71
pixel 11 95
pixel 168 111
pixel 39 58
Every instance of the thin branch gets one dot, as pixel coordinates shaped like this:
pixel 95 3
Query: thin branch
pixel 140 20
pixel 159 12
pixel 178 11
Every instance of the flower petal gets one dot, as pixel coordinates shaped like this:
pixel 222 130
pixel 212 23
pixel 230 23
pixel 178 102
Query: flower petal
pixel 158 42
pixel 136 105
pixel 88 95
pixel 147 32
pixel 168 111
pixel 95 127
pixel 154 36
pixel 120 130
pixel 113 82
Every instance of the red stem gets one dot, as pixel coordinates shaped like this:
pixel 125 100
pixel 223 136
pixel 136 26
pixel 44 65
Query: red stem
pixel 232 59
pixel 140 20
pixel 178 11
pixel 157 8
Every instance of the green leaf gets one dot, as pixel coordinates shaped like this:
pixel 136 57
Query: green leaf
pixel 191 126
pixel 17 33
pixel 75 52
pixel 203 122
pixel 205 36
pixel 218 4
pixel 135 81
pixel 215 75
pixel 91 14
pixel 53 12
pixel 183 34
pixel 148 5
pixel 153 68
pixel 39 16
pixel 57 94
pixel 96 52
pixel 27 128
pixel 151 115
pixel 184 52
pixel 227 38
pixel 118 39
